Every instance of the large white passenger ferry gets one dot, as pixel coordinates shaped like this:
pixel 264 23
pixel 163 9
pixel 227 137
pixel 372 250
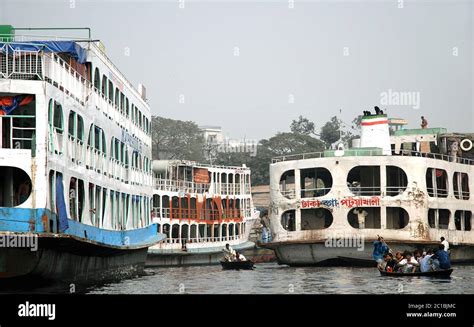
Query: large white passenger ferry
pixel 75 168
pixel 200 208
pixel 411 187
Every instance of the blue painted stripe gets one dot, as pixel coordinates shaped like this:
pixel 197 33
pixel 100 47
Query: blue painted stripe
pixel 24 220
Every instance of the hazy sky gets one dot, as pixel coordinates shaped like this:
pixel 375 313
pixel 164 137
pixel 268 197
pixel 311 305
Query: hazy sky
pixel 253 66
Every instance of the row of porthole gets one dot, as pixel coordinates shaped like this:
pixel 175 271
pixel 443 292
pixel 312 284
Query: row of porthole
pixel 322 181
pixel 357 218
pixel 325 182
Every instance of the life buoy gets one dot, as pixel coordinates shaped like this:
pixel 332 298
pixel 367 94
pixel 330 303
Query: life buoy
pixel 464 147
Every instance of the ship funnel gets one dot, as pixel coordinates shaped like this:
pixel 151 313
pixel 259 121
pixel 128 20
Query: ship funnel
pixel 375 134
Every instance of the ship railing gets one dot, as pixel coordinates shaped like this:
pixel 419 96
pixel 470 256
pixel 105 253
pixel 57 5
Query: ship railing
pixel 438 156
pixel 66 78
pixel 196 214
pixel 299 156
pixel 18 137
pixel 75 149
pixel 203 239
pixel 20 64
pixel 462 195
pixel 30 65
pixel 290 194
pixel 437 192
pixel 180 186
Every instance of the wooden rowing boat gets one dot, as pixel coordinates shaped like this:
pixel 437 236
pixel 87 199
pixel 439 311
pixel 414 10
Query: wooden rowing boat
pixel 445 273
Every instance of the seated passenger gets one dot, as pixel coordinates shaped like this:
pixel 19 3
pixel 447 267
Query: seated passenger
pixel 390 262
pixel 443 258
pixel 398 256
pixel 408 264
pixel 239 257
pixel 426 263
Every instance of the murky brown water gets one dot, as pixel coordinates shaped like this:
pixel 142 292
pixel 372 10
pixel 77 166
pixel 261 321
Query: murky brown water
pixel 271 278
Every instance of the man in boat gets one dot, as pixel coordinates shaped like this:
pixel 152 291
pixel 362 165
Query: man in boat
pixel 426 263
pixel 229 253
pixel 380 248
pixel 442 258
pixel 408 264
pixel 239 257
pixel 390 262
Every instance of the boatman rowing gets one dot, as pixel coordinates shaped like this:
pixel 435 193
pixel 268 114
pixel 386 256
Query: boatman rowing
pixel 229 253
pixel 380 248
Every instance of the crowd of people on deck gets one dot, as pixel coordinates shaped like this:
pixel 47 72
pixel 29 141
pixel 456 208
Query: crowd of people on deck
pixel 231 255
pixel 408 262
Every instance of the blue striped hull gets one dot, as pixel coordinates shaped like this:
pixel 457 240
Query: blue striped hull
pixel 82 253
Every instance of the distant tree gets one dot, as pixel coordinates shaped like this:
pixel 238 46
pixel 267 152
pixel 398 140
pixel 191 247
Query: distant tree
pixel 176 139
pixel 330 132
pixel 302 126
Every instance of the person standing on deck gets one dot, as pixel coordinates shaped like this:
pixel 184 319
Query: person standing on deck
pixel 445 244
pixel 380 248
pixel 361 214
pixel 424 122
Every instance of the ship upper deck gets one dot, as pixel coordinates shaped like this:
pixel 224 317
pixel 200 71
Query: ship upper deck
pixel 81 69
pixel 370 152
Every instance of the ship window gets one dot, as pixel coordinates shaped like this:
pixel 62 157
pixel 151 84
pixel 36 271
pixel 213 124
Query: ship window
pixel 315 182
pixel 111 92
pixel 97 79
pixel 288 220
pixel 193 233
pixel 287 184
pixel 80 128
pixel 231 230
pixel 104 85
pixel 439 218
pixel 462 220
pixel 461 186
pixel 202 231
pixel 364 217
pixel 224 231
pixel 17 128
pixel 15 186
pixel 185 231
pixel 58 117
pixel 71 123
pixel 117 98
pixel 364 180
pixel 166 230
pixel 396 180
pixel 437 182
pixel 55 115
pixel 73 198
pixel 318 218
pixel 397 218
pixel 127 107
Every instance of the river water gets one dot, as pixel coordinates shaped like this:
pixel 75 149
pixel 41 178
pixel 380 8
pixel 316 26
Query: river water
pixel 271 278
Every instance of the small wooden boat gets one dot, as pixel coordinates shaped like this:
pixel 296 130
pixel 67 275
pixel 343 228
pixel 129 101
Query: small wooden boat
pixel 237 265
pixel 445 273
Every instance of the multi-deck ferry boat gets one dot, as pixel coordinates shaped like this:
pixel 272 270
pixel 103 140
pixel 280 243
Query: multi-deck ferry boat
pixel 200 208
pixel 75 168
pixel 411 187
